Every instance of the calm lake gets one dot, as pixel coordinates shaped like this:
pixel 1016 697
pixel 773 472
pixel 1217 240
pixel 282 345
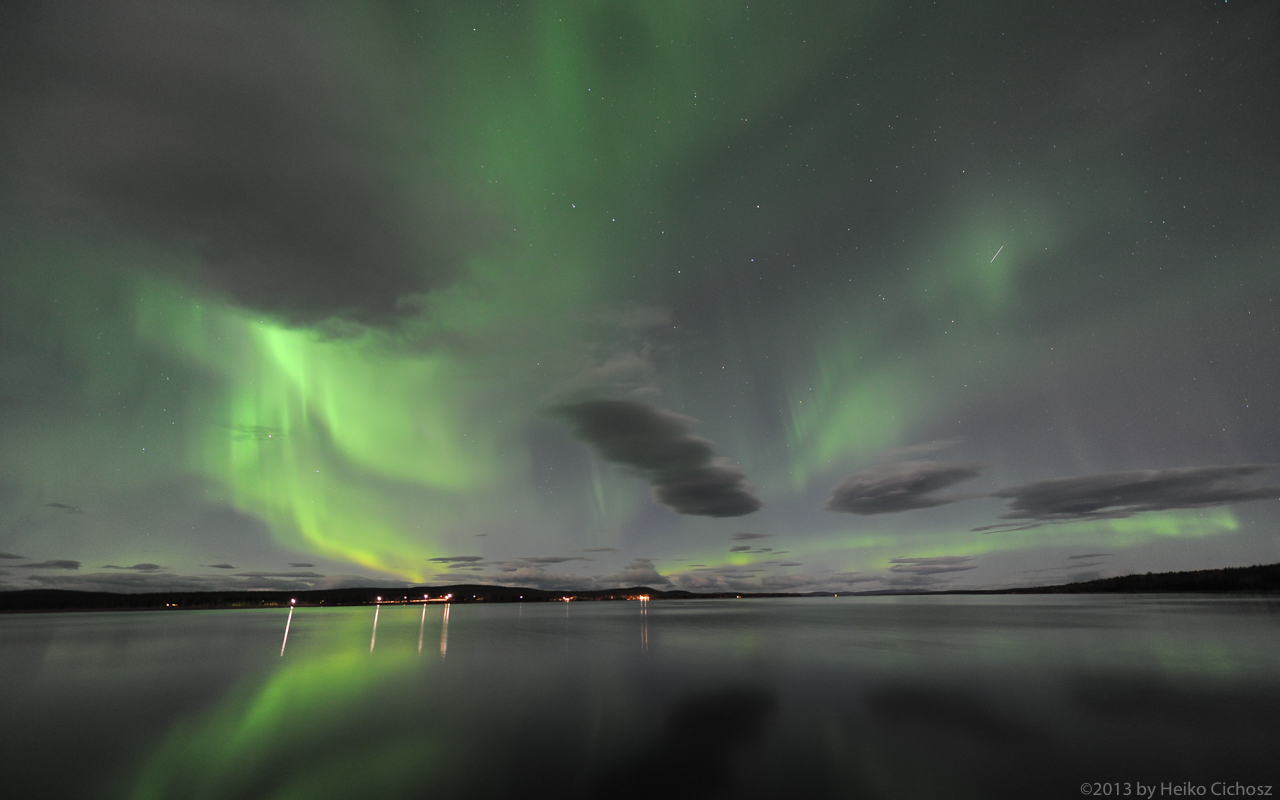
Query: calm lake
pixel 887 697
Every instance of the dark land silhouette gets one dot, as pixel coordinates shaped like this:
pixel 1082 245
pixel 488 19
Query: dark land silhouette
pixel 1258 579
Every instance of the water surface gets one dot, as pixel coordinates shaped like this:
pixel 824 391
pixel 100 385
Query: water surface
pixel 826 697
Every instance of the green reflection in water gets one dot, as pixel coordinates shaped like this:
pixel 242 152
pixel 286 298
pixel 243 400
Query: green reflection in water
pixel 307 732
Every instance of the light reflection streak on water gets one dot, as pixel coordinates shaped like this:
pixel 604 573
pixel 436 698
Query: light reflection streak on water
pixel 644 625
pixel 444 631
pixel 374 639
pixel 287 623
pixel 422 627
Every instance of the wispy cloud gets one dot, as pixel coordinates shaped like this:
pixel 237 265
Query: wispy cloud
pixel 163 581
pixel 904 486
pixel 910 485
pixel 58 563
pixel 932 565
pixel 1115 495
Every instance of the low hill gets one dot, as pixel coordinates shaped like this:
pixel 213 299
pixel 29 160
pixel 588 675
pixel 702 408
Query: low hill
pixel 1258 578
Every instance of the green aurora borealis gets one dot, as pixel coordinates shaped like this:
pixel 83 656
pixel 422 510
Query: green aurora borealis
pixel 1040 239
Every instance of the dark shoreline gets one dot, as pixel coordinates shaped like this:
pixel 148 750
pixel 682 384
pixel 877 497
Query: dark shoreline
pixel 1259 579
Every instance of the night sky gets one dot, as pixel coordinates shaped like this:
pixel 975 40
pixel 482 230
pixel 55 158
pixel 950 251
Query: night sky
pixel 772 296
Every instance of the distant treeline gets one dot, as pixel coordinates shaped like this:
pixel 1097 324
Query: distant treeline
pixel 1260 578
pixel 67 600
pixel 1263 578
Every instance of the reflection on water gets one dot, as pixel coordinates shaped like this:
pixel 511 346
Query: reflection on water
pixel 287 623
pixel 849 697
pixel 644 625
pixel 444 632
pixel 422 627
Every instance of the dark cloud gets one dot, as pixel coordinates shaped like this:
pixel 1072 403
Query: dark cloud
pixel 740 548
pixel 682 468
pixel 932 565
pixel 1122 494
pixel 60 563
pixel 726 578
pixel 549 559
pixel 278 575
pixel 640 572
pixel 715 490
pixel 903 486
pixel 220 566
pixel 64 507
pixel 1061 569
pixel 913 484
pixel 229 131
pixel 1089 555
pixel 598 550
pixel 137 567
pixel 10 555
pixel 790 564
pixel 504 565
pixel 746 537
pixel 300 564
pixel 538 562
